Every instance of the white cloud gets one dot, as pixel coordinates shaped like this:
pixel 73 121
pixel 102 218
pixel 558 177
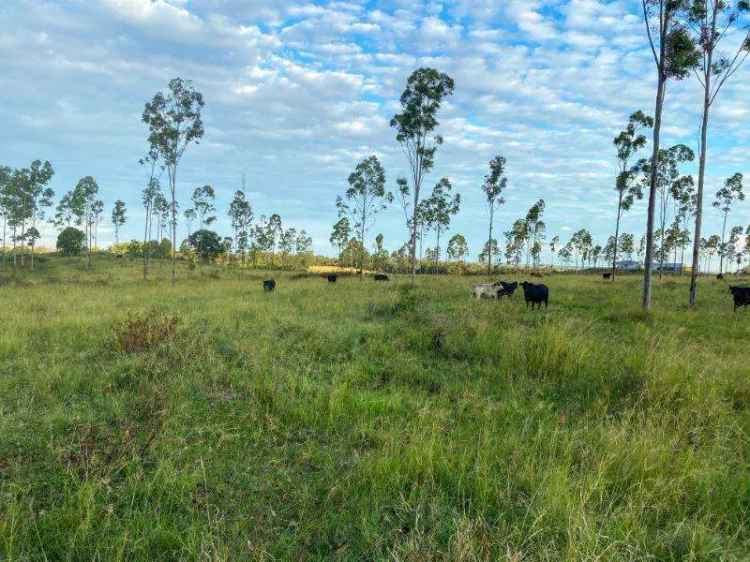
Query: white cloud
pixel 297 92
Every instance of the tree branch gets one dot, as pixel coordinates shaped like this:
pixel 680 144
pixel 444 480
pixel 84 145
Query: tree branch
pixel 733 67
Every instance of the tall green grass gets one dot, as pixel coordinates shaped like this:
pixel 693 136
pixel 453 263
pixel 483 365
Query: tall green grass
pixel 364 421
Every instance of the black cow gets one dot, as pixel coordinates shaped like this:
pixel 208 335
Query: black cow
pixel 381 277
pixel 535 294
pixel 720 276
pixel 606 275
pixel 269 285
pixel 741 296
pixel 506 289
pixel 332 277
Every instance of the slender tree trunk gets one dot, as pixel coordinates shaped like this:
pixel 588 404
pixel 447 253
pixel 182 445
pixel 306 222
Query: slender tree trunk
pixel 173 186
pixel 145 242
pixel 682 258
pixel 648 266
pixel 701 183
pixel 723 247
pixel 23 253
pixel 362 243
pixel 663 228
pixel 413 241
pixel 15 258
pixel 421 245
pixel 617 235
pixel 5 232
pixel 32 255
pixel 90 241
pixel 437 251
pixel 489 241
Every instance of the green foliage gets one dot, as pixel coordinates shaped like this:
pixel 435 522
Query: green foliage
pixel 119 217
pixel 363 200
pixel 458 248
pixel 241 215
pixel 340 234
pixel 425 91
pixel 493 187
pixel 71 242
pixel 164 248
pixel 24 198
pixel 206 244
pixel 174 122
pixel 203 204
pixel 135 248
pixel 731 191
pixel 628 143
pixel 438 210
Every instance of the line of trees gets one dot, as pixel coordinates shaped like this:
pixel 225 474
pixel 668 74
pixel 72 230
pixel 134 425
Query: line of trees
pixel 684 37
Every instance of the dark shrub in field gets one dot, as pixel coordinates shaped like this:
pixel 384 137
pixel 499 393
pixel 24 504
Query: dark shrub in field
pixel 71 242
pixel 141 333
pixel 207 244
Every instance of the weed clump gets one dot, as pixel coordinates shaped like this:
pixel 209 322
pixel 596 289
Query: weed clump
pixel 139 333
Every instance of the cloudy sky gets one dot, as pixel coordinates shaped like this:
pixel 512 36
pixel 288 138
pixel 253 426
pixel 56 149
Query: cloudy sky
pixel 297 92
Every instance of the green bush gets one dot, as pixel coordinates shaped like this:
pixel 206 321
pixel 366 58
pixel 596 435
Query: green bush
pixel 71 242
pixel 165 248
pixel 207 244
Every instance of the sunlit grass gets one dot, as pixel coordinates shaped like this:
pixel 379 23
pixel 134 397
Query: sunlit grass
pixel 363 421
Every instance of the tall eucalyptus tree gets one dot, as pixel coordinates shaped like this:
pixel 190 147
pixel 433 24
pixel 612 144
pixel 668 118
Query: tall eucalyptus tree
pixel 711 22
pixel 415 127
pixel 174 122
pixel 675 56
pixel 731 192
pixel 441 206
pixel 493 187
pixel 363 200
pixel 241 215
pixel 627 143
pixel 119 217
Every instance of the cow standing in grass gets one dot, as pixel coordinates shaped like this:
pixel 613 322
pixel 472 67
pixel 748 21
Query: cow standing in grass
pixel 535 294
pixel 485 291
pixel 741 296
pixel 506 289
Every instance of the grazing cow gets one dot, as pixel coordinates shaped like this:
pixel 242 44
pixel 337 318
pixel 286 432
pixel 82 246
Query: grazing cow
pixel 741 296
pixel 485 291
pixel 269 285
pixel 536 274
pixel 606 275
pixel 535 294
pixel 506 289
pixel 381 277
pixel 332 277
pixel 720 276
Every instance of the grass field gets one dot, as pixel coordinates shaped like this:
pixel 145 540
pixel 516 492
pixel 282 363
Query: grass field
pixel 366 421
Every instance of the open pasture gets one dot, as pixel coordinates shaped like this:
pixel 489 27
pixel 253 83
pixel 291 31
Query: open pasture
pixel 368 421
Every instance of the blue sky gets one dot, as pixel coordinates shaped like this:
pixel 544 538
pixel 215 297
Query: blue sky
pixel 298 92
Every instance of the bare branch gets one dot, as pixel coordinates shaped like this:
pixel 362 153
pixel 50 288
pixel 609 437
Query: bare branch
pixel 734 66
pixel 648 30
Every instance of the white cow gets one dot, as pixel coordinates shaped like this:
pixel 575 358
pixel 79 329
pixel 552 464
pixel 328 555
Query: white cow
pixel 485 291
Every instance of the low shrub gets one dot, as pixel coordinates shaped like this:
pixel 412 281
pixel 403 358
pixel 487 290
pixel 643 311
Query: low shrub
pixel 139 333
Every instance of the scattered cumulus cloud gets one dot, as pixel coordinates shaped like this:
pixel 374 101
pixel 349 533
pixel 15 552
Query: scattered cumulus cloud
pixel 298 91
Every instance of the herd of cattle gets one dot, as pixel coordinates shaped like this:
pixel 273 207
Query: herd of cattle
pixel 270 284
pixel 534 294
